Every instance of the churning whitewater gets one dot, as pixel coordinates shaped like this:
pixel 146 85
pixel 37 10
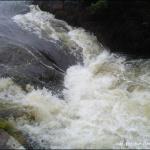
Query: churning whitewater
pixel 106 98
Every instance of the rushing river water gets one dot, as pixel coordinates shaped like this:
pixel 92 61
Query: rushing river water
pixel 106 99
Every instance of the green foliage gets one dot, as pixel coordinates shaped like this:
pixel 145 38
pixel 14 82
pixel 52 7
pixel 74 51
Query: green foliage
pixel 98 6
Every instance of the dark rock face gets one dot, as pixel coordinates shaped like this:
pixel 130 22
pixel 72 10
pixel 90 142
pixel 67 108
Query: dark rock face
pixel 25 66
pixel 123 26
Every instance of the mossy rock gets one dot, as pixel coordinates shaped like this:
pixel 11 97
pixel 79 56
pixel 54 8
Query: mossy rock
pixel 12 131
pixel 9 128
pixel 9 112
pixel 8 142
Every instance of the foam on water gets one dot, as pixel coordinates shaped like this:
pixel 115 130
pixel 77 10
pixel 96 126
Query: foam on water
pixel 46 26
pixel 106 101
pixel 37 22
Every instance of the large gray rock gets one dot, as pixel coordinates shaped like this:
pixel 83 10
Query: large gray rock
pixel 25 57
pixel 24 67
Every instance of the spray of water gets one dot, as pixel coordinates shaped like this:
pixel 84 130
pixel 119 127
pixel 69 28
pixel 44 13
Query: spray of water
pixel 106 100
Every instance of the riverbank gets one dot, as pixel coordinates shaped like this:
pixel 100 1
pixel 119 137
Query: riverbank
pixel 121 26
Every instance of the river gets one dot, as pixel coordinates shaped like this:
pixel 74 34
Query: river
pixel 106 97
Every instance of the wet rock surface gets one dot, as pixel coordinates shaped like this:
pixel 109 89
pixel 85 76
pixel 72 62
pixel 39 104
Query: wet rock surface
pixel 27 58
pixel 8 142
pixel 10 136
pixel 25 67
pixel 4 139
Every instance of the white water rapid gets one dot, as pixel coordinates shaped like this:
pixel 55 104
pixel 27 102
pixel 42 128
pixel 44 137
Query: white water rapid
pixel 106 99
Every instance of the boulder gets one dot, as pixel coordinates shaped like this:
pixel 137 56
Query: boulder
pixel 28 58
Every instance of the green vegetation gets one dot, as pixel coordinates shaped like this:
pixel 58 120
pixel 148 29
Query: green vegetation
pixel 99 5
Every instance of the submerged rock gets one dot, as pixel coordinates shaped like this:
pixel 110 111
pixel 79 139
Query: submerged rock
pixel 8 142
pixel 11 137
pixel 12 117
pixel 4 138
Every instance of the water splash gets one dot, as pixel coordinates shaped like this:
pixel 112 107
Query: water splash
pixel 46 26
pixel 106 101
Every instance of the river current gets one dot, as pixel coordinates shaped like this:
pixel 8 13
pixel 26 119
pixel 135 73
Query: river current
pixel 106 99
